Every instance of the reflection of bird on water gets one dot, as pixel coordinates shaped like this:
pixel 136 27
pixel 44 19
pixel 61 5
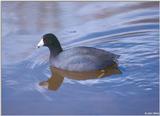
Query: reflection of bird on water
pixel 78 63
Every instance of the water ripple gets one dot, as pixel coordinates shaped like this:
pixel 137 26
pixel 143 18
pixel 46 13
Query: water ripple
pixel 130 29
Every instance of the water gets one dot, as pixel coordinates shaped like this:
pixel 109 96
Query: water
pixel 130 29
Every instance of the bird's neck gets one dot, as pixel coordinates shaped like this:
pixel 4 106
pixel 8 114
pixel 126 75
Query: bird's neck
pixel 54 51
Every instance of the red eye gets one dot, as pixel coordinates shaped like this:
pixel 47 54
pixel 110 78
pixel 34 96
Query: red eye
pixel 45 40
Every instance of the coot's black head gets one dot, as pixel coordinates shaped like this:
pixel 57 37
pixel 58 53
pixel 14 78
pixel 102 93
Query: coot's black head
pixel 49 40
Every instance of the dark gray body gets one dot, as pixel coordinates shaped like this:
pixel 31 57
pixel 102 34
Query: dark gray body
pixel 83 59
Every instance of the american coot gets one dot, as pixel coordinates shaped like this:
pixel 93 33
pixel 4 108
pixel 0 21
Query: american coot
pixel 77 63
pixel 76 59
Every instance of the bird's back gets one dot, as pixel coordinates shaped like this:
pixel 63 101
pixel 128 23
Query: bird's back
pixel 83 59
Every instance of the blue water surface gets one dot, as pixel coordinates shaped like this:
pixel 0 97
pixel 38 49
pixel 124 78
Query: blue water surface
pixel 130 29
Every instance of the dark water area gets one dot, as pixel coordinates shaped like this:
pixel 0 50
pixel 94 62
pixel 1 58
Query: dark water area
pixel 130 29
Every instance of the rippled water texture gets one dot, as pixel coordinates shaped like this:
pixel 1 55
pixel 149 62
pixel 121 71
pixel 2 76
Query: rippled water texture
pixel 130 29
